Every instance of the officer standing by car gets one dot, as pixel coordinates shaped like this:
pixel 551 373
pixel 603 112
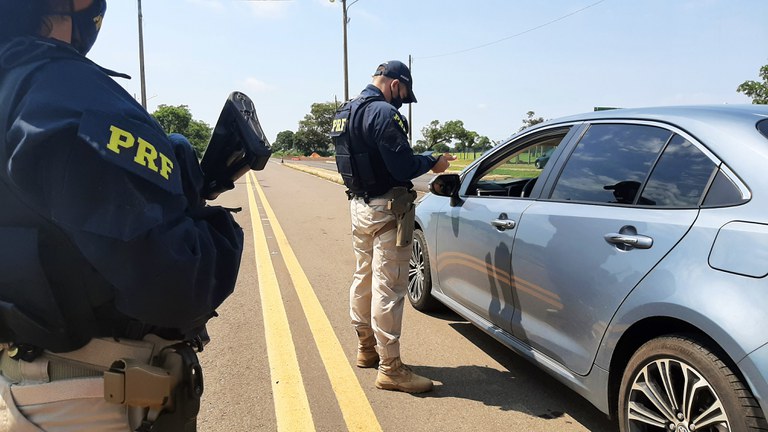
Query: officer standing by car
pixel 377 165
pixel 110 261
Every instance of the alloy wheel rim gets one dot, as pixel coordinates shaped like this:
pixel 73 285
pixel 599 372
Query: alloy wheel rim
pixel 668 394
pixel 416 272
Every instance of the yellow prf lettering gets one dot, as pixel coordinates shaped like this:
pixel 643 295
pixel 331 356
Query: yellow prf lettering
pixel 120 138
pixel 338 125
pixel 399 121
pixel 146 155
pixel 167 166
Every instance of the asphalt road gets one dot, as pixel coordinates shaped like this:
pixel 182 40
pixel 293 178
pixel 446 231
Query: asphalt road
pixel 282 349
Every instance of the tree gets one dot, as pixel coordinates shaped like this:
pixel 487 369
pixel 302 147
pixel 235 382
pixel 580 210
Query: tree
pixel 178 119
pixel 419 147
pixel 284 142
pixel 312 135
pixel 434 133
pixel 483 143
pixel 530 121
pixel 758 91
pixel 441 148
pixel 458 135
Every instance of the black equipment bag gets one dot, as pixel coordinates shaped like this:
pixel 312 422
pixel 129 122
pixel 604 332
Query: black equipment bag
pixel 238 144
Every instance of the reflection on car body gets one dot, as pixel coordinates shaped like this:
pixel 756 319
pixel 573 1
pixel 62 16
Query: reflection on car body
pixel 631 266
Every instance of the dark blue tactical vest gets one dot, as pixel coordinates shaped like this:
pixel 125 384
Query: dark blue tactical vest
pixel 357 159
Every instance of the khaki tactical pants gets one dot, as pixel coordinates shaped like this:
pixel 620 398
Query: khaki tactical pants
pixel 65 392
pixel 381 276
pixel 73 405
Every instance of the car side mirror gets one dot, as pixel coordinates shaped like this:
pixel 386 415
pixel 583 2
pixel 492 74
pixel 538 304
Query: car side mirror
pixel 447 185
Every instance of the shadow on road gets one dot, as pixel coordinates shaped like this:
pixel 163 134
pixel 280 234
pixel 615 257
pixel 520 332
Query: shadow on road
pixel 520 386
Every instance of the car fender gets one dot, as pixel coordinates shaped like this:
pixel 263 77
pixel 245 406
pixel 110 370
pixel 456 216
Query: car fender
pixel 730 323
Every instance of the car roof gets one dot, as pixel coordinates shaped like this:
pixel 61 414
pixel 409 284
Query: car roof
pixel 677 114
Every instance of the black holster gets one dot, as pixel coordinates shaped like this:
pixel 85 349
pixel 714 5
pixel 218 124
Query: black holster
pixel 404 209
pixel 180 413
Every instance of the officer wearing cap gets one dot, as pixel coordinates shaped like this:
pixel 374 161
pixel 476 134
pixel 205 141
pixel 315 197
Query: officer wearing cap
pixel 110 261
pixel 377 164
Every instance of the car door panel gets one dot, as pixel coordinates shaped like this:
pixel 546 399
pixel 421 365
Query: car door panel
pixel 473 255
pixel 568 280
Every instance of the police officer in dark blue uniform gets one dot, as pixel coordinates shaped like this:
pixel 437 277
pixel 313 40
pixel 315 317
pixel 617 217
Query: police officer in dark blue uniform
pixel 108 255
pixel 377 164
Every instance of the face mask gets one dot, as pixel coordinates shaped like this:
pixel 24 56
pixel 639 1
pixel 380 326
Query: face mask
pixel 396 101
pixel 86 25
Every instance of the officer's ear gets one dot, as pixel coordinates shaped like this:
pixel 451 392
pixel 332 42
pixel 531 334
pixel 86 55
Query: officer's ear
pixel 392 89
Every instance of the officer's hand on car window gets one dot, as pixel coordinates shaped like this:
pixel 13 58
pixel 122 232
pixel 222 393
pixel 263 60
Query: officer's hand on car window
pixel 443 162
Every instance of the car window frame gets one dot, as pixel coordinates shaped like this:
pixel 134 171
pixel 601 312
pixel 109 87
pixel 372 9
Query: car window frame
pixel 565 154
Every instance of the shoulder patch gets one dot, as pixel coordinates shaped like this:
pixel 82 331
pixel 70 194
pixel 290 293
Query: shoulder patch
pixel 133 146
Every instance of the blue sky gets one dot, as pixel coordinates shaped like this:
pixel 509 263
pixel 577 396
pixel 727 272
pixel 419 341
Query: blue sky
pixel 485 62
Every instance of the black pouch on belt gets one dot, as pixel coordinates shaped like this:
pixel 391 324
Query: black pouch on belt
pixel 402 205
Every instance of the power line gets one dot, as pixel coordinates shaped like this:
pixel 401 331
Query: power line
pixel 515 35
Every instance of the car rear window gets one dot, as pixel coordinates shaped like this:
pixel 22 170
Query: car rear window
pixel 762 126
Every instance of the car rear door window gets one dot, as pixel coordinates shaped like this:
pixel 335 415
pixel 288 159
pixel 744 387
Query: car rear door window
pixel 610 163
pixel 680 176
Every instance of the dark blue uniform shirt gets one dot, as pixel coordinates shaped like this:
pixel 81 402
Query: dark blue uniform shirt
pixel 82 153
pixel 387 130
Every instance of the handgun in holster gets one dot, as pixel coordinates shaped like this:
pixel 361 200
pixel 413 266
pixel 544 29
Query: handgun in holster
pixel 403 207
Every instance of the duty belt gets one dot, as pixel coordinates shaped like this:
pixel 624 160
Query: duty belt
pixel 169 388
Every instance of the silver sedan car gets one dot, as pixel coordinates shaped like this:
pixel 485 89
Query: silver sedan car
pixel 632 267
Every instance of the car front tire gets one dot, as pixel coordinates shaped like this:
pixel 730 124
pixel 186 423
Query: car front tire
pixel 419 275
pixel 675 383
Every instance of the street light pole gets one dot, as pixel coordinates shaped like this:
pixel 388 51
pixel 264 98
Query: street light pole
pixel 141 60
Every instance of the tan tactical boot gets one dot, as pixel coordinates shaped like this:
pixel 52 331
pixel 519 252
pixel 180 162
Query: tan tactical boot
pixel 394 375
pixel 367 357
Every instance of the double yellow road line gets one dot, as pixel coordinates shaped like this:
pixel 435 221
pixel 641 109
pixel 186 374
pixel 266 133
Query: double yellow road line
pixel 291 402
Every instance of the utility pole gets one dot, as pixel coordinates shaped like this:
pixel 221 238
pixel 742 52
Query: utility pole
pixel 344 22
pixel 410 105
pixel 346 70
pixel 141 60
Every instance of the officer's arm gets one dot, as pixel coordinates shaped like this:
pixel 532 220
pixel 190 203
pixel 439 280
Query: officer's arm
pixel 391 138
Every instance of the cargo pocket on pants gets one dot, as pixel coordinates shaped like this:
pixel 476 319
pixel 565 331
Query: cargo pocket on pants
pixel 10 417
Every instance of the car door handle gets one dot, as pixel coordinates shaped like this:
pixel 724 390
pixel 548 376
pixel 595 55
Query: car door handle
pixel 635 241
pixel 503 224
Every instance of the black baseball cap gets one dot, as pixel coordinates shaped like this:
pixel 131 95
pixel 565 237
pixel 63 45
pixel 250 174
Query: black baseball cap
pixel 398 70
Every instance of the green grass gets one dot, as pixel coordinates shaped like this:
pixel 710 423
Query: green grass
pixel 522 168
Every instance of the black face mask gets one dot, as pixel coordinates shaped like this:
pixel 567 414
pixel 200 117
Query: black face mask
pixel 86 25
pixel 396 101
